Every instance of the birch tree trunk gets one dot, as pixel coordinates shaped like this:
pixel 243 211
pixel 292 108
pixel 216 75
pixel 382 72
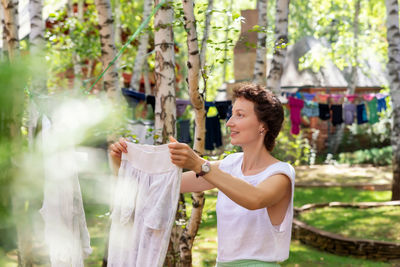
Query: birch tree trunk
pixel 197 101
pixel 142 49
pixel 10 8
pixel 393 37
pixel 108 50
pixel 36 36
pixel 4 49
pixel 37 44
pixel 165 109
pixel 207 23
pixel 281 40
pixel 228 24
pixel 117 24
pixel 260 65
pixel 164 70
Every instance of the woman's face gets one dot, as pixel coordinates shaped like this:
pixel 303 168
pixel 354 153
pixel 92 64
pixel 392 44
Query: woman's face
pixel 244 124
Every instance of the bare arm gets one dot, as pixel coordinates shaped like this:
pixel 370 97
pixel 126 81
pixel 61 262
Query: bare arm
pixel 266 194
pixel 190 183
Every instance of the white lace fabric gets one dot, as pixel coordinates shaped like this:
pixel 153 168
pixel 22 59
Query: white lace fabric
pixel 145 202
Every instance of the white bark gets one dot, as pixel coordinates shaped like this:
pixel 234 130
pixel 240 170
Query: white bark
pixel 108 50
pixel 197 101
pixel 393 37
pixel 260 64
pixel 117 28
pixel 37 43
pixel 3 37
pixel 281 40
pixel 142 49
pixel 36 36
pixel 11 26
pixel 164 70
pixel 206 34
pixel 228 23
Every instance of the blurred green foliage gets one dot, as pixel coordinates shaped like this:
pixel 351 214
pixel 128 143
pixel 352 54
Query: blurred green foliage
pixel 13 78
pixel 375 156
pixel 294 149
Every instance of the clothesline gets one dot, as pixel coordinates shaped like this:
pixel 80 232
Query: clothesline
pixel 323 97
pixel 224 107
pixel 302 104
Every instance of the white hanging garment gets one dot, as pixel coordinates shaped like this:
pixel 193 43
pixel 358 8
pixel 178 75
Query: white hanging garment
pixel 66 233
pixel 145 203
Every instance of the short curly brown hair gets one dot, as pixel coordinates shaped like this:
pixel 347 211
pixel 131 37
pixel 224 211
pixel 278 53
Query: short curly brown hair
pixel 268 109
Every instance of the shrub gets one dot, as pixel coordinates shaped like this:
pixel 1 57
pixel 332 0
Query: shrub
pixel 375 156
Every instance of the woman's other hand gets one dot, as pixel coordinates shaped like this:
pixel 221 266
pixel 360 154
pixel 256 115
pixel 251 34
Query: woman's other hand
pixel 183 156
pixel 116 150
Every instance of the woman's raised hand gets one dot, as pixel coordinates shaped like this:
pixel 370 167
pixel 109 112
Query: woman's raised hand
pixel 183 156
pixel 116 150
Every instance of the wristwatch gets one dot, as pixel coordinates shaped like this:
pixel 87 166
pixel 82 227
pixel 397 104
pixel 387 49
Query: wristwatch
pixel 205 168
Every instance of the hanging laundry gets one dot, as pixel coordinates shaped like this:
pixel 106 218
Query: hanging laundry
pixel 181 105
pixel 324 111
pixel 323 98
pixel 368 97
pixel 65 230
pixel 184 131
pixel 145 201
pixel 361 114
pixel 208 104
pixel 213 133
pixel 133 98
pixel 308 96
pixel 349 112
pixel 382 104
pixel 337 114
pixel 351 98
pixel 295 107
pixel 336 97
pixel 310 109
pixel 372 111
pixel 150 99
pixel 224 108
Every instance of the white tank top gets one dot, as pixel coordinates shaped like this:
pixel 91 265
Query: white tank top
pixel 249 234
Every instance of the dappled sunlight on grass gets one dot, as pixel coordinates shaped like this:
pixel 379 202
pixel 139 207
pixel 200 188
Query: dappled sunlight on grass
pixel 381 223
pixel 304 196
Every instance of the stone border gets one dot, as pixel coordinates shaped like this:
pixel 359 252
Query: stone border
pixel 340 245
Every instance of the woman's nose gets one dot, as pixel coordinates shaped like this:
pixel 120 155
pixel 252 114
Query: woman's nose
pixel 229 123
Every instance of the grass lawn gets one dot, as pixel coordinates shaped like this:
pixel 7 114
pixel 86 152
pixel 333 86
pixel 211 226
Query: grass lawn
pixel 380 223
pixel 304 196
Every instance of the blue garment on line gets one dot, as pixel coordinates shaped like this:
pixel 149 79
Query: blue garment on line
pixel 213 133
pixel 361 114
pixel 382 104
pixel 310 109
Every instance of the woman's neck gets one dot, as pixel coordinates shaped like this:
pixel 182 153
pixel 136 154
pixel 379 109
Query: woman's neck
pixel 256 158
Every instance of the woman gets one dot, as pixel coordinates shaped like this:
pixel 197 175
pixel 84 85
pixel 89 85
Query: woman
pixel 255 199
